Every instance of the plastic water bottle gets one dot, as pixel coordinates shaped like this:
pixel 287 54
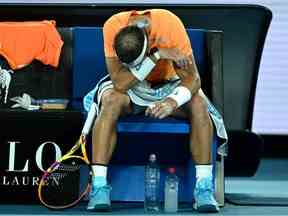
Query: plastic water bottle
pixel 171 191
pixel 152 184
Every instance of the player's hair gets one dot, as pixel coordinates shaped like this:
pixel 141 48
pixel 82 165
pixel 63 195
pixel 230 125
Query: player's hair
pixel 128 43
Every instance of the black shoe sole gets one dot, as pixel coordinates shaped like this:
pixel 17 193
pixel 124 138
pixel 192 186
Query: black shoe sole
pixel 207 209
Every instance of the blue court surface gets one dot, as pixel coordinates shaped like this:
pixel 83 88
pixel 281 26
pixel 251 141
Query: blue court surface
pixel 136 209
pixel 125 210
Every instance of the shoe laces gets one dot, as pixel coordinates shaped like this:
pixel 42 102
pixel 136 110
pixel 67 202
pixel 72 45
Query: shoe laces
pixel 204 186
pixel 96 190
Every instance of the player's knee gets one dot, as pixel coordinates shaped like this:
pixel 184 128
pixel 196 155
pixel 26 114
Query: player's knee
pixel 197 104
pixel 113 100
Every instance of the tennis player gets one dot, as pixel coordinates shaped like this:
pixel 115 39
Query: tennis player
pixel 151 70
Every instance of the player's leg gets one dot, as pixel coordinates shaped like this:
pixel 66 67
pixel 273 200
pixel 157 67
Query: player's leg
pixel 113 104
pixel 104 135
pixel 201 137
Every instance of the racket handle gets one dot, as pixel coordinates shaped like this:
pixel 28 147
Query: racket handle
pixel 89 119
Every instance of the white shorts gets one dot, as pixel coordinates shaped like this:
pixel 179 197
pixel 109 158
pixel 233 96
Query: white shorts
pixel 142 95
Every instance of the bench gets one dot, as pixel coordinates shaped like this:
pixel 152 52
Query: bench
pixel 146 135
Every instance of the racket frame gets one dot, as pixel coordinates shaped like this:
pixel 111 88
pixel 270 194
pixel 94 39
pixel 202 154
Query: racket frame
pixel 81 143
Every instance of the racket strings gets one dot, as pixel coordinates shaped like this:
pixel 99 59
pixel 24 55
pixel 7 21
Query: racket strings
pixel 66 183
pixel 63 171
pixel 68 167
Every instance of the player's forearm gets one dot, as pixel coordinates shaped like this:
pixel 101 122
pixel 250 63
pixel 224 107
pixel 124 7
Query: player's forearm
pixel 190 84
pixel 123 80
pixel 190 80
pixel 193 84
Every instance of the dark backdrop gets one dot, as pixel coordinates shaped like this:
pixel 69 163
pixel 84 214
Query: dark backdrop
pixel 244 26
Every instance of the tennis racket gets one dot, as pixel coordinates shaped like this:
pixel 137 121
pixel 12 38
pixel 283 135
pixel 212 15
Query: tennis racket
pixel 67 180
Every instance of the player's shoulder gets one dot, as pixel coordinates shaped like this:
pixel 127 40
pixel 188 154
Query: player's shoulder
pixel 164 12
pixel 116 18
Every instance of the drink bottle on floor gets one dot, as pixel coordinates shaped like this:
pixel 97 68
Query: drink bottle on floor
pixel 152 184
pixel 171 191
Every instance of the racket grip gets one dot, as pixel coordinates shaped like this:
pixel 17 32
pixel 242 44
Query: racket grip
pixel 89 120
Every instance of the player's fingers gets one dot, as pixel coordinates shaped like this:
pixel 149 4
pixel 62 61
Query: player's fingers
pixel 16 105
pixel 147 111
pixel 161 112
pixel 178 63
pixel 163 115
pixel 184 62
pixel 158 113
pixel 16 99
pixel 82 139
pixel 187 62
pixel 155 108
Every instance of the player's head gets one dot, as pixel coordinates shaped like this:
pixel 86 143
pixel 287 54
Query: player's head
pixel 131 45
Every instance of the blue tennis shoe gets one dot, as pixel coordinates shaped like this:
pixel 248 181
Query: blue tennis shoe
pixel 99 199
pixel 204 196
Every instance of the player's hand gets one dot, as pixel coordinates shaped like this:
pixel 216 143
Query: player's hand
pixel 176 56
pixel 161 109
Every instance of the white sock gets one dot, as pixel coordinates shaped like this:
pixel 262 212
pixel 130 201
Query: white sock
pixel 203 171
pixel 99 173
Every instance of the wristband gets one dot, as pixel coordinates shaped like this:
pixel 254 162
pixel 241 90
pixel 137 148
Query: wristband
pixel 141 71
pixel 157 55
pixel 181 95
